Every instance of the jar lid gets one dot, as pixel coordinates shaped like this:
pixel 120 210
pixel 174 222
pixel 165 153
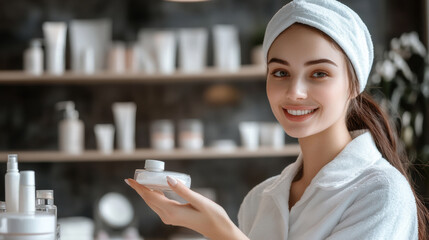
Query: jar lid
pixel 154 165
pixel 45 194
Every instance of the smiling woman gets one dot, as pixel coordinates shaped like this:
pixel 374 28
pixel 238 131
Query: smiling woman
pixel 350 180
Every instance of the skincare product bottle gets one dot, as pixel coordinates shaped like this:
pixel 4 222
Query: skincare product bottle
pixel 71 129
pixel 27 193
pixel 55 39
pixel 12 184
pixel 162 135
pixel 154 177
pixel 33 58
pixel 191 134
pixel 45 203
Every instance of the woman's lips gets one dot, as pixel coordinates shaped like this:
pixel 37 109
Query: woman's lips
pixel 299 113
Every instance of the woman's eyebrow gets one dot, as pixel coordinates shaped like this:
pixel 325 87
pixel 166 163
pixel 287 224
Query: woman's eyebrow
pixel 322 60
pixel 312 62
pixel 277 60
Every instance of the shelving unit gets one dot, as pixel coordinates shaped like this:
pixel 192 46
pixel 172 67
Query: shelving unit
pixel 142 154
pixel 246 73
pixel 211 74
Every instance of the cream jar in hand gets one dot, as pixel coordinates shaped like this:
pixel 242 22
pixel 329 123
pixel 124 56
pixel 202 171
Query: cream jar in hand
pixel 154 177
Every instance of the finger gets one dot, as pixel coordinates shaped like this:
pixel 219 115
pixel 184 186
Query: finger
pixel 196 199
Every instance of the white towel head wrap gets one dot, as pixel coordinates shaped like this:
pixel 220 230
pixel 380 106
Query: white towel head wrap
pixel 337 21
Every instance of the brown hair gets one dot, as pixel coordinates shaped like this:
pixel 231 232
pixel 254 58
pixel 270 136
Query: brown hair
pixel 364 113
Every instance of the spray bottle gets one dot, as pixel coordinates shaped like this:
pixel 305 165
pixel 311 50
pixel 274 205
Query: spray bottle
pixel 12 184
pixel 71 129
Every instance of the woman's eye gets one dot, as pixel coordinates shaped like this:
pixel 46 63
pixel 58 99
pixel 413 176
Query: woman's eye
pixel 280 73
pixel 319 74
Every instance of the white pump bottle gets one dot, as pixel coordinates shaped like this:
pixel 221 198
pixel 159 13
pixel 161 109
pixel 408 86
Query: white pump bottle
pixel 71 129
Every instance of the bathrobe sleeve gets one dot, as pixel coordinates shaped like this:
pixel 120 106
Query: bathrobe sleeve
pixel 386 210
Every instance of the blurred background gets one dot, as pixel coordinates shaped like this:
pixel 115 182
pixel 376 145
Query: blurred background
pixel 172 61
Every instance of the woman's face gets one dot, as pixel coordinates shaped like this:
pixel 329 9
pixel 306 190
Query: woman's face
pixel 307 82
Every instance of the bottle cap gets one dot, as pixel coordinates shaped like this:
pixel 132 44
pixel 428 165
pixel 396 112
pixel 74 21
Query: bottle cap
pixel 36 43
pixel 27 178
pixel 154 165
pixel 12 162
pixel 69 109
pixel 45 194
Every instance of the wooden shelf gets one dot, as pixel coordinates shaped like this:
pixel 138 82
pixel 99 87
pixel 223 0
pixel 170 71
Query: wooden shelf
pixel 142 154
pixel 246 73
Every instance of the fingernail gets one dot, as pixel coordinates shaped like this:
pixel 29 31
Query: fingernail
pixel 126 181
pixel 171 181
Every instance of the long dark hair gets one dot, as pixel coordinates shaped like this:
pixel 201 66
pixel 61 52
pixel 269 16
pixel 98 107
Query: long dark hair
pixel 365 113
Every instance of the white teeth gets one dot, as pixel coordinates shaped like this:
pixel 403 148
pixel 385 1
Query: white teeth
pixel 299 112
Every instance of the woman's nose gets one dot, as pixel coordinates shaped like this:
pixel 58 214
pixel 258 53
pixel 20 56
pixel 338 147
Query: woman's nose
pixel 297 89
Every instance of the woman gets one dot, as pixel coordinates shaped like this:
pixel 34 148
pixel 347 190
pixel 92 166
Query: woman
pixel 349 182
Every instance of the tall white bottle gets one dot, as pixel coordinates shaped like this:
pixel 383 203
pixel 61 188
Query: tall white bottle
pixel 27 192
pixel 12 184
pixel 71 129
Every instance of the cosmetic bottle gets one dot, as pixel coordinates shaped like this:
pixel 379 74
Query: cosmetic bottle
pixel 154 177
pixel 12 184
pixel 71 129
pixel 33 58
pixel 27 193
pixel 45 204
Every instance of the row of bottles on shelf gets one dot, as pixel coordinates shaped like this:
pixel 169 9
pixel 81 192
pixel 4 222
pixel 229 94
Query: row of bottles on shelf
pixel 162 132
pixel 92 49
pixel 26 214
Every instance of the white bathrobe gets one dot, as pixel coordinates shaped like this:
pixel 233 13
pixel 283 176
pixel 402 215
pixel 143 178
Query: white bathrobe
pixel 358 195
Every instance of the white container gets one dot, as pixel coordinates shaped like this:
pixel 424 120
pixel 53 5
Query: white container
pixel 227 54
pixel 115 210
pixel 33 58
pixel 124 114
pixel 74 228
pixel 104 134
pixel 249 132
pixel 147 51
pixel 192 49
pixel 165 48
pixel 27 192
pixel 12 184
pixel 272 135
pixel 95 34
pixel 191 134
pixel 162 135
pixel 154 176
pixel 117 57
pixel 55 38
pixel 16 226
pixel 71 129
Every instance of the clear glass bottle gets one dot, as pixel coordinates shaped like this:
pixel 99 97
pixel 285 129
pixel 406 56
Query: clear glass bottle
pixel 45 203
pixel 154 177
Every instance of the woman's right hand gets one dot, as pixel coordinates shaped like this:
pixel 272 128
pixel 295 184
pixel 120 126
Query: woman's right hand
pixel 199 214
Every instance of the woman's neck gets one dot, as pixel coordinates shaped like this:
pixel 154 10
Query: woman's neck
pixel 321 148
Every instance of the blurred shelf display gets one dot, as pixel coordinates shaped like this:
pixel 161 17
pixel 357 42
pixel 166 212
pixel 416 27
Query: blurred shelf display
pixel 246 73
pixel 288 150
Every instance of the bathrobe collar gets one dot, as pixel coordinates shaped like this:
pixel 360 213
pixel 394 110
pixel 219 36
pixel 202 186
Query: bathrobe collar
pixel 357 156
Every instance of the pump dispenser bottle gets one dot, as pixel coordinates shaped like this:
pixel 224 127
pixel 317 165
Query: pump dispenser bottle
pixel 154 177
pixel 71 129
pixel 12 184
